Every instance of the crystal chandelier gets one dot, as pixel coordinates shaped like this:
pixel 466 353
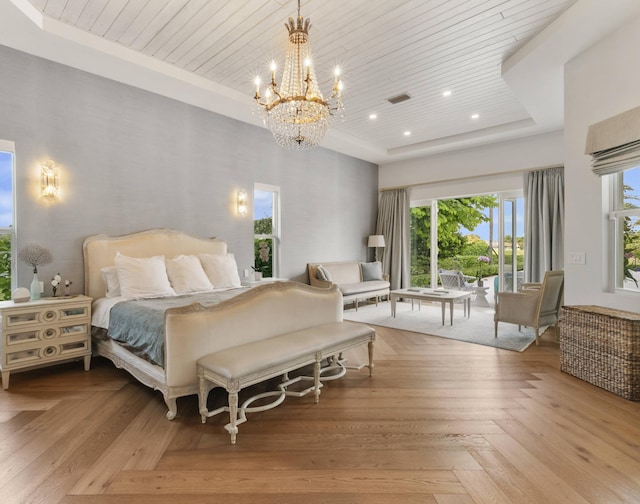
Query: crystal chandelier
pixel 296 112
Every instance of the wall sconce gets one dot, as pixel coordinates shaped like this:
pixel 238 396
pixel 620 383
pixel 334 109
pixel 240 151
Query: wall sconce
pixel 49 182
pixel 242 202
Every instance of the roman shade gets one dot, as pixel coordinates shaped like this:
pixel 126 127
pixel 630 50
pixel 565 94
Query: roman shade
pixel 614 144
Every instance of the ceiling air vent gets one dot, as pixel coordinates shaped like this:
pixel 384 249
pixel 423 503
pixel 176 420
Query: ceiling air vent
pixel 399 99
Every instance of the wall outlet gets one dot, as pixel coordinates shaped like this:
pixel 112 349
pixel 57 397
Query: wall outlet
pixel 577 258
pixel 246 273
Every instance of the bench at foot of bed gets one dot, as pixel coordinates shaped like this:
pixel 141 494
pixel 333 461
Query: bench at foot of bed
pixel 244 365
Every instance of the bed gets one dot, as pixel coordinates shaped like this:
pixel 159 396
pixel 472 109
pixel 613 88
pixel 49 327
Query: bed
pixel 192 329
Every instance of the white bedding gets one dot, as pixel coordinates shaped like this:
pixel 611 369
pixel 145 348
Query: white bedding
pixel 101 308
pixel 100 311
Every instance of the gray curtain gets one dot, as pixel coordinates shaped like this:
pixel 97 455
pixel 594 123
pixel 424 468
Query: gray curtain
pixel 393 223
pixel 544 222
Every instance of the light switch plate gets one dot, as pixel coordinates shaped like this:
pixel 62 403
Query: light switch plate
pixel 577 258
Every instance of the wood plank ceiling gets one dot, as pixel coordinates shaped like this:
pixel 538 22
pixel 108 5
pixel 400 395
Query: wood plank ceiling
pixel 418 47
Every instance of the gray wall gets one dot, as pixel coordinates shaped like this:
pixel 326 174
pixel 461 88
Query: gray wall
pixel 131 160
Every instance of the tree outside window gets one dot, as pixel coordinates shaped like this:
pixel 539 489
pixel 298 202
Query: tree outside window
pixel 626 215
pixel 266 229
pixel 6 221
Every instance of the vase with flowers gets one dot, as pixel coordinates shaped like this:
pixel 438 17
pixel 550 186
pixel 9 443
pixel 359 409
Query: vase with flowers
pixel 481 260
pixel 35 255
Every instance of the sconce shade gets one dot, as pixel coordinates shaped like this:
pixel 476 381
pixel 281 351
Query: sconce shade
pixel 49 182
pixel 242 202
pixel 376 241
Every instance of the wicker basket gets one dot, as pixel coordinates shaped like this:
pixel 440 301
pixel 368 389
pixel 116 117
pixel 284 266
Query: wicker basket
pixel 602 346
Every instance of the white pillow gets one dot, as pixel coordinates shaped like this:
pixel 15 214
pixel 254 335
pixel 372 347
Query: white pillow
pixel 186 275
pixel 142 277
pixel 222 270
pixel 111 282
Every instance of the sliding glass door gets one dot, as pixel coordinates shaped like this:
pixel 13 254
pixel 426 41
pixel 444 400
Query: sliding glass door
pixel 481 235
pixel 511 241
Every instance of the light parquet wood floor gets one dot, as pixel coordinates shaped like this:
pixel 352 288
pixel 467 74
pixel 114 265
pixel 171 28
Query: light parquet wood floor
pixel 440 422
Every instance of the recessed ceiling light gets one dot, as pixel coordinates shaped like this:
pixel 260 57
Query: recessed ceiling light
pixel 373 116
pixel 475 116
pixel 407 133
pixel 446 93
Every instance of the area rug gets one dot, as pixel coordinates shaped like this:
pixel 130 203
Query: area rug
pixel 427 319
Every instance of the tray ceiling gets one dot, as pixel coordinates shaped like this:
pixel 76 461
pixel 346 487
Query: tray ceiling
pixel 421 48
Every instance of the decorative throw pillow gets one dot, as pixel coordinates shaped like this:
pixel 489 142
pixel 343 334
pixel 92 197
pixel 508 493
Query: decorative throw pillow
pixel 187 275
pixel 371 271
pixel 222 270
pixel 111 282
pixel 322 273
pixel 142 277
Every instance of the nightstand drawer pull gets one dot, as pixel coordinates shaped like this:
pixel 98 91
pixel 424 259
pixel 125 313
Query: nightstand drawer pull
pixel 49 333
pixel 49 351
pixel 50 315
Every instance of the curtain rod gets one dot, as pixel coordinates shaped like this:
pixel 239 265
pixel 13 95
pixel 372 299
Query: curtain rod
pixel 443 181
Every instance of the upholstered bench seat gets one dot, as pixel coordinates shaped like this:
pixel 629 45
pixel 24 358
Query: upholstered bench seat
pixel 238 367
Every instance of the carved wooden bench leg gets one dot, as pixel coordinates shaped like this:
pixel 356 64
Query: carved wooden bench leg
pixel 233 415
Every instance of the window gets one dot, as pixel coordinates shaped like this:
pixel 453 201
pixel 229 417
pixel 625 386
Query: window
pixel 6 218
pixel 266 229
pixel 625 217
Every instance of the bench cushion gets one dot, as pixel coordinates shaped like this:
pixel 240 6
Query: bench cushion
pixel 237 362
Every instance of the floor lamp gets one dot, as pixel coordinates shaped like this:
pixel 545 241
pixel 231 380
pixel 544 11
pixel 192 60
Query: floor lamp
pixel 376 241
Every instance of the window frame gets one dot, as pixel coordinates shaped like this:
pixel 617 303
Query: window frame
pixel 9 146
pixel 275 225
pixel 617 214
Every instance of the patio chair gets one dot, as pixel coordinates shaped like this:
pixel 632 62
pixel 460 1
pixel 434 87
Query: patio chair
pixel 536 305
pixel 455 280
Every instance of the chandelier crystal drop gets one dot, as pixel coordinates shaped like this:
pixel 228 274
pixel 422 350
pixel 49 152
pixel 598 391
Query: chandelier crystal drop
pixel 296 112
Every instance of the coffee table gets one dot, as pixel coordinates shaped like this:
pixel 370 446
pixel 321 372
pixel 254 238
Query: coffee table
pixel 444 296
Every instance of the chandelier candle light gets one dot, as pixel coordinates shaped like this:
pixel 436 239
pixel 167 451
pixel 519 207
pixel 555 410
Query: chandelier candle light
pixel 296 112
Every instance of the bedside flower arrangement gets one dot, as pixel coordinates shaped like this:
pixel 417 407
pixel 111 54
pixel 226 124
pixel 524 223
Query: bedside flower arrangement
pixel 481 260
pixel 55 281
pixel 35 255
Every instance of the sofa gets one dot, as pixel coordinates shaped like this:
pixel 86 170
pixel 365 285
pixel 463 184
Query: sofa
pixel 356 280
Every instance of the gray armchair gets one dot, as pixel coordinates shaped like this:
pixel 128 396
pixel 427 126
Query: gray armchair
pixel 455 280
pixel 536 305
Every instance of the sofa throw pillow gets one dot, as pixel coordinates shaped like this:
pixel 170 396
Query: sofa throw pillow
pixel 371 271
pixel 323 274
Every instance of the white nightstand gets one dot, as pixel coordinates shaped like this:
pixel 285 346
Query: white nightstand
pixel 44 332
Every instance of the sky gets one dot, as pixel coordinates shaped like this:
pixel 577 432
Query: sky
pixel 6 193
pixel 262 204
pixel 483 229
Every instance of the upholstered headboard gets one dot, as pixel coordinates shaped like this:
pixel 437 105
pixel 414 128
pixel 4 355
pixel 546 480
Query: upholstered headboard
pixel 99 251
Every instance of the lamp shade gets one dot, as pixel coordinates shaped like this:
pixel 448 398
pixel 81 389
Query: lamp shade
pixel 376 241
